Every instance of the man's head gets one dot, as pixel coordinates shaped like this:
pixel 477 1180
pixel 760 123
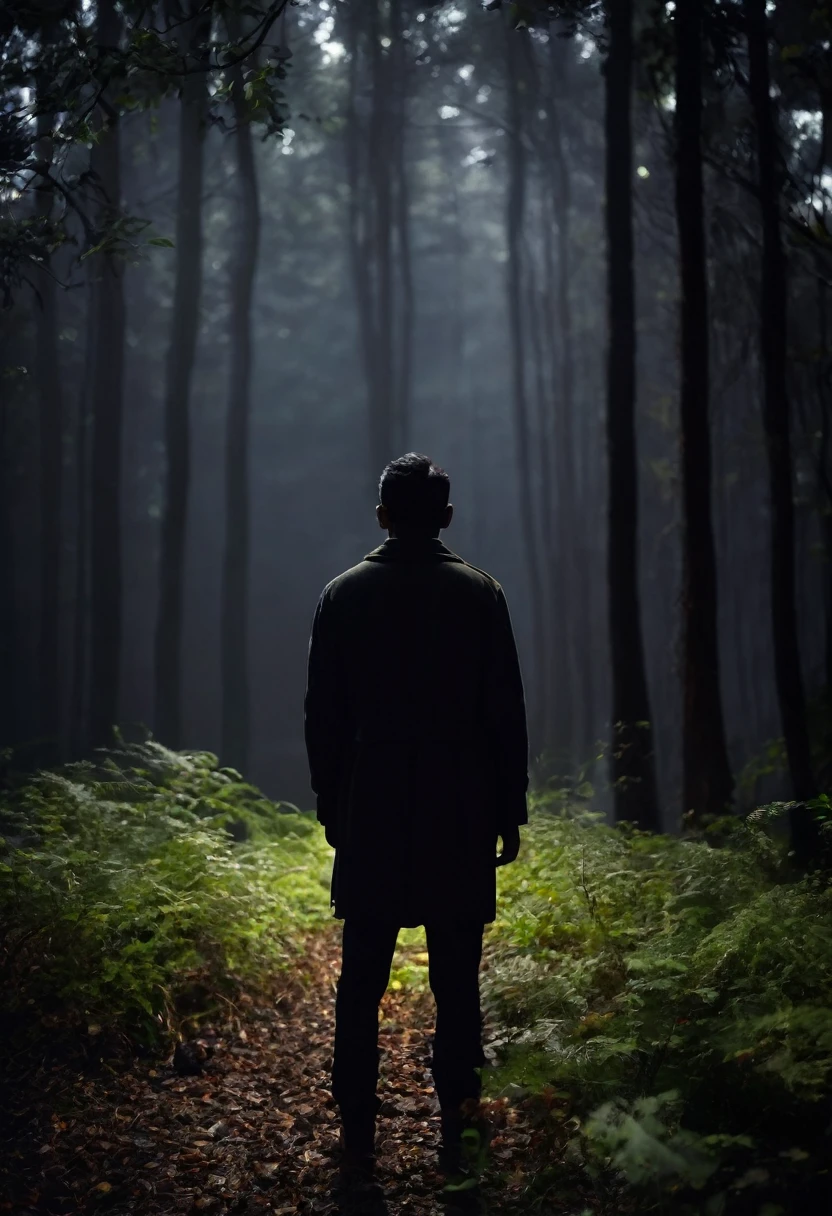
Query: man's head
pixel 413 497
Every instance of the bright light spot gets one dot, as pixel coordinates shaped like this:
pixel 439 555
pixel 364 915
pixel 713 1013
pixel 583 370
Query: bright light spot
pixel 420 16
pixel 643 172
pixel 483 93
pixel 324 6
pixel 324 31
pixel 466 71
pixel 448 112
pixel 454 16
pixel 385 42
pixel 333 51
pixel 808 122
pixel 288 136
pixel 670 7
pixel 476 156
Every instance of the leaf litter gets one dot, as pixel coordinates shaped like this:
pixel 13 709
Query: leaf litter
pixel 256 1130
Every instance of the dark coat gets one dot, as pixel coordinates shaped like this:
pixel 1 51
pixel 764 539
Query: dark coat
pixel 416 733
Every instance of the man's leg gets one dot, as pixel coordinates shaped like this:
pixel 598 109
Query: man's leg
pixel 365 971
pixel 454 953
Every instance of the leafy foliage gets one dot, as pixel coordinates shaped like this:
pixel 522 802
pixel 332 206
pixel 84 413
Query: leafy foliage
pixel 135 888
pixel 667 1004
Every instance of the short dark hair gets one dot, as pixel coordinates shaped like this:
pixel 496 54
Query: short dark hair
pixel 415 492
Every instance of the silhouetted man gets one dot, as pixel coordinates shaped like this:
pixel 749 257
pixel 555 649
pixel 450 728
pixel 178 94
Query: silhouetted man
pixel 416 736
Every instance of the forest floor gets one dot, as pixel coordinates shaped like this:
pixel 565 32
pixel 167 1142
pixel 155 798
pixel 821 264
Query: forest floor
pixel 256 1130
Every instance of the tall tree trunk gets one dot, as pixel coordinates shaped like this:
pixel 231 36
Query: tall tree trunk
pixel 378 209
pixel 380 152
pixel 358 224
pixel 50 422
pixel 515 213
pixel 573 575
pixel 776 421
pixel 823 464
pixel 107 413
pixel 79 681
pixel 403 388
pixel 633 765
pixel 235 574
pixel 707 780
pixel 9 709
pixel 180 365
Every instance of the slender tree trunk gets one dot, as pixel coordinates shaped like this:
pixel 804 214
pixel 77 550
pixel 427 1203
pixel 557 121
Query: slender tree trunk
pixel 234 622
pixel 9 723
pixel 107 412
pixel 380 156
pixel 50 422
pixel 515 213
pixel 554 699
pixel 776 420
pixel 359 212
pixel 180 365
pixel 823 465
pixel 79 684
pixel 633 765
pixel 401 427
pixel 707 781
pixel 573 575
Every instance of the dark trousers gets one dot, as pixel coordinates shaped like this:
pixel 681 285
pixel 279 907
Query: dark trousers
pixel 454 953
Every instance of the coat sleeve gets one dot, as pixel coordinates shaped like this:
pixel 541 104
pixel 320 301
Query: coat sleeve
pixel 505 711
pixel 323 716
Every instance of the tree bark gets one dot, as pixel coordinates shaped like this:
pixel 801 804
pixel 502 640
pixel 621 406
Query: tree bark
pixel 380 155
pixel 515 212
pixel 378 210
pixel 107 413
pixel 776 421
pixel 404 372
pixel 707 781
pixel 574 575
pixel 50 421
pixel 9 663
pixel 235 575
pixel 180 365
pixel 79 684
pixel 633 766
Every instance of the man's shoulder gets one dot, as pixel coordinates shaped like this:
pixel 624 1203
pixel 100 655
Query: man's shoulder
pixel 482 576
pixel 368 570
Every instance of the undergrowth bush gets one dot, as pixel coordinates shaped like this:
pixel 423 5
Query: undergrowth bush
pixel 136 888
pixel 667 1009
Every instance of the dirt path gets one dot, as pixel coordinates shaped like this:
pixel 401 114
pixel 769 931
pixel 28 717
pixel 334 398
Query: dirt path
pixel 257 1130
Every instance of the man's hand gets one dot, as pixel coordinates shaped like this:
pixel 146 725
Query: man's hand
pixel 511 846
pixel 331 837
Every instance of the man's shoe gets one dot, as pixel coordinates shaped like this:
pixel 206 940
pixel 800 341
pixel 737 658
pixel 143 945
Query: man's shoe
pixel 356 1166
pixel 462 1154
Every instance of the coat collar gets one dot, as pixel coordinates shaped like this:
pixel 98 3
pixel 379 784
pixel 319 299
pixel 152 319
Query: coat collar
pixel 395 549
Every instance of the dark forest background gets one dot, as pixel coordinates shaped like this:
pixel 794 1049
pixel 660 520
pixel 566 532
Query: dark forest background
pixel 252 252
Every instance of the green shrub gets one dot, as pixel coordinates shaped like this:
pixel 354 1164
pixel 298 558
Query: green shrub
pixel 678 999
pixel 124 892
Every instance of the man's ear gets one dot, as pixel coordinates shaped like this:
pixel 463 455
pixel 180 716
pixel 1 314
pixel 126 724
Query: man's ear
pixel 382 517
pixel 448 515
